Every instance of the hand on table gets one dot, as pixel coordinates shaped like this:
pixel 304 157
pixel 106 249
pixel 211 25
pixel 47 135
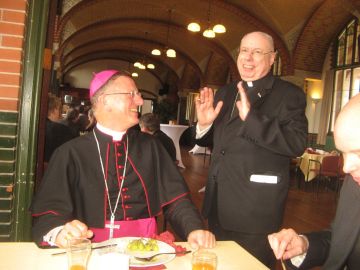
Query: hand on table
pixel 287 244
pixel 201 238
pixel 72 229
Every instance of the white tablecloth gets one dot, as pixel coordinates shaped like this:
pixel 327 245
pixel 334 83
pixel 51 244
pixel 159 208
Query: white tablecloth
pixel 174 132
pixel 21 256
pixel 200 150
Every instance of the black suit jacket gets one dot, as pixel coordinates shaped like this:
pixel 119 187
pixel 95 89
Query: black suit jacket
pixel 274 131
pixel 339 246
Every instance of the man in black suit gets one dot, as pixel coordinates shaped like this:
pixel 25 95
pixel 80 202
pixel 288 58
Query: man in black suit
pixel 256 126
pixel 338 247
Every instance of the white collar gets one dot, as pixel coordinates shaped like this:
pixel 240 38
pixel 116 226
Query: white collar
pixel 250 84
pixel 116 135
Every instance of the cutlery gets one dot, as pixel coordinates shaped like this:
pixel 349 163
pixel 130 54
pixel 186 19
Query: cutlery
pixel 148 259
pixel 98 247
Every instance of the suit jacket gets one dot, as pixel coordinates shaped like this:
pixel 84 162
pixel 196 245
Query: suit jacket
pixel 339 246
pixel 274 131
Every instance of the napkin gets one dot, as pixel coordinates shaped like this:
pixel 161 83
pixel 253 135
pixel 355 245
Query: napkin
pixel 169 239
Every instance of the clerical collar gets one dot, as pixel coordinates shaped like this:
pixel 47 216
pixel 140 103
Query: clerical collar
pixel 261 83
pixel 116 135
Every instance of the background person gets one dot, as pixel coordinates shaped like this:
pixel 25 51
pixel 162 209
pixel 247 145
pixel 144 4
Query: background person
pixel 72 121
pixel 56 133
pixel 113 182
pixel 255 126
pixel 338 247
pixel 150 123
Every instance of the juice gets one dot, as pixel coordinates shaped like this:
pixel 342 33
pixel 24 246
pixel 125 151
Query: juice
pixel 202 266
pixel 77 267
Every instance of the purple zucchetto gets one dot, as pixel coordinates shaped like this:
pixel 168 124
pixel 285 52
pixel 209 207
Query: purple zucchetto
pixel 100 79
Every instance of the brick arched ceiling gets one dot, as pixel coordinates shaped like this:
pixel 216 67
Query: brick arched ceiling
pixel 302 31
pixel 320 30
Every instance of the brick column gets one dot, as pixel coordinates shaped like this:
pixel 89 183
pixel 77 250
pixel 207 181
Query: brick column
pixel 12 24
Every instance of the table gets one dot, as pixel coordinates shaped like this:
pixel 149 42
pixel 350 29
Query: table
pixel 304 165
pixel 26 255
pixel 174 132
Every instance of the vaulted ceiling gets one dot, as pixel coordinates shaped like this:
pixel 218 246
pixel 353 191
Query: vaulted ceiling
pixel 97 34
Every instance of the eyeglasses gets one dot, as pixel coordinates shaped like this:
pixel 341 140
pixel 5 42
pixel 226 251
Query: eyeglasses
pixel 257 54
pixel 132 94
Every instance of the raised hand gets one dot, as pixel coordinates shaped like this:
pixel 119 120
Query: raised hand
pixel 243 104
pixel 205 111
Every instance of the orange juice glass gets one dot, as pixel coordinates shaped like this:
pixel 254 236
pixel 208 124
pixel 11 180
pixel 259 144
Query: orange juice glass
pixel 78 252
pixel 204 260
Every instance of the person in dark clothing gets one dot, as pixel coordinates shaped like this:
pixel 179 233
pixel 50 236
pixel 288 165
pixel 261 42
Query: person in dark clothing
pixel 338 247
pixel 150 123
pixel 56 133
pixel 113 182
pixel 256 126
pixel 83 119
pixel 72 121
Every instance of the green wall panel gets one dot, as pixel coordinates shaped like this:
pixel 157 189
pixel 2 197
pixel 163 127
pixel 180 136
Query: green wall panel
pixel 7 154
pixel 7 142
pixel 5 217
pixel 8 129
pixel 7 179
pixel 9 117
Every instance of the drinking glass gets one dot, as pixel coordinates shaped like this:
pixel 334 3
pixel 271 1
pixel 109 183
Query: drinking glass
pixel 204 260
pixel 78 252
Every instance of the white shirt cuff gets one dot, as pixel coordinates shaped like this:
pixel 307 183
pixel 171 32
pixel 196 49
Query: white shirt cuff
pixel 201 133
pixel 298 260
pixel 50 237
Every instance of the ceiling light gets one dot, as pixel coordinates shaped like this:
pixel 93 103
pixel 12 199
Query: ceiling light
pixel 134 74
pixel 170 53
pixel 219 29
pixel 150 66
pixel 194 27
pixel 137 64
pixel 156 52
pixel 209 33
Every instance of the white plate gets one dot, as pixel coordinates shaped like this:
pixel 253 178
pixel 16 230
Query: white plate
pixel 121 247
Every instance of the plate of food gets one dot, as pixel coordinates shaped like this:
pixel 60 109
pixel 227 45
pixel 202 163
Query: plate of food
pixel 136 247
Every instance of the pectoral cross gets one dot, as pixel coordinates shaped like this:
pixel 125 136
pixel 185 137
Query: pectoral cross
pixel 112 226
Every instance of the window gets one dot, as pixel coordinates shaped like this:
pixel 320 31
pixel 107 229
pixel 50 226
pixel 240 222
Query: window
pixel 277 66
pixel 347 70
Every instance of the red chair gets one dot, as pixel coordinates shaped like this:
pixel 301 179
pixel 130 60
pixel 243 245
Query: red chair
pixel 327 169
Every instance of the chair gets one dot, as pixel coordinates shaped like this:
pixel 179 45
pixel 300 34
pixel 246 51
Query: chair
pixel 341 176
pixel 327 169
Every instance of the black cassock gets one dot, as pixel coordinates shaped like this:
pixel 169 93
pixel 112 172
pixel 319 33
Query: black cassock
pixel 73 185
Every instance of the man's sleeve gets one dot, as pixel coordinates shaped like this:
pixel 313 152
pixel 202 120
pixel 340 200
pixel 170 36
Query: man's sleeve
pixel 52 204
pixel 183 217
pixel 319 246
